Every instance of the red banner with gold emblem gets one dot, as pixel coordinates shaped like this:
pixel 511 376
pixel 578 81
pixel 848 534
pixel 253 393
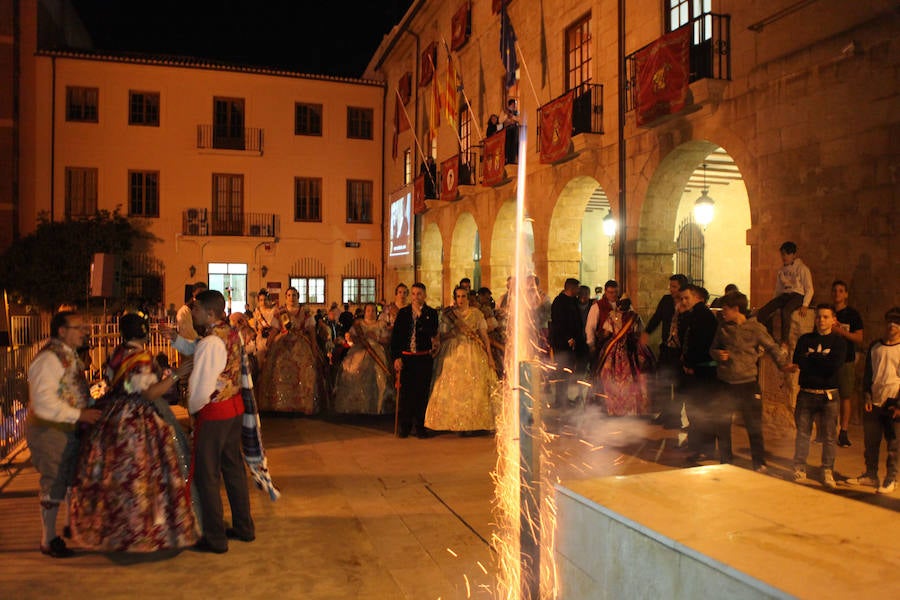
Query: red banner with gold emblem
pixel 419 195
pixel 459 27
pixel 494 159
pixel 450 178
pixel 429 62
pixel 556 128
pixel 663 70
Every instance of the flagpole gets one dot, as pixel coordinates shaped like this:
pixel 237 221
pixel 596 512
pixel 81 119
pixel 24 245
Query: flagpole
pixel 528 74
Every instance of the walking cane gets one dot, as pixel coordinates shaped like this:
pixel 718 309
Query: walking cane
pixel 397 407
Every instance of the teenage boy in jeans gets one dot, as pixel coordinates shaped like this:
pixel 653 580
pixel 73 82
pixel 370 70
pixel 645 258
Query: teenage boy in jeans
pixel 793 291
pixel 849 327
pixel 818 356
pixel 882 416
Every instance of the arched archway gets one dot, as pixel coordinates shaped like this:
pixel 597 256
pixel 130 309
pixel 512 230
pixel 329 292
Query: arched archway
pixel 669 203
pixel 431 268
pixel 503 246
pixel 577 246
pixel 463 249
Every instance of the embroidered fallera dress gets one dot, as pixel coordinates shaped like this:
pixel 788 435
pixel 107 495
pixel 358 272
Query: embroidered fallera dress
pixel 464 387
pixel 131 493
pixel 364 384
pixel 293 374
pixel 623 363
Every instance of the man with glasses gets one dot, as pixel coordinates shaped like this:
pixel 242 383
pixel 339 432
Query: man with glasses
pixel 59 397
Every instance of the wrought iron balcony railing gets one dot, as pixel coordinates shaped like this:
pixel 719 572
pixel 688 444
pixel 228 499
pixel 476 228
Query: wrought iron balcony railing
pixel 204 222
pixel 710 54
pixel 249 139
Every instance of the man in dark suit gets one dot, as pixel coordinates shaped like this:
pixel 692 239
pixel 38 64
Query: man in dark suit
pixel 566 335
pixel 414 342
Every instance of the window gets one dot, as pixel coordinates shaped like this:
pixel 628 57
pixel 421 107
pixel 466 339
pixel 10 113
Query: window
pixel 697 12
pixel 358 290
pixel 468 156
pixel 312 289
pixel 228 123
pixel 228 204
pixel 359 201
pixel 143 193
pixel 578 53
pixel 307 199
pixel 143 108
pixel 407 167
pixel 307 119
pixel 81 192
pixel 359 123
pixel 81 104
pixel 231 280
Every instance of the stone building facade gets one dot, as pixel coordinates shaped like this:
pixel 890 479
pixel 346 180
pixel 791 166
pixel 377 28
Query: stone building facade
pixel 801 102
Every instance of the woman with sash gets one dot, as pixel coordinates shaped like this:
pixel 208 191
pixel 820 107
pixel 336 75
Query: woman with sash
pixel 132 493
pixel 465 382
pixel 623 363
pixel 293 374
pixel 364 383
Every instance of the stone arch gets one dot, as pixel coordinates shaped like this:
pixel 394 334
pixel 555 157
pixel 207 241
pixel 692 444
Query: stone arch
pixel 668 201
pixel 503 245
pixel 432 256
pixel 575 227
pixel 462 248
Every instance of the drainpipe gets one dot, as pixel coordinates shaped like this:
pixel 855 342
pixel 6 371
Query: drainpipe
pixel 623 212
pixel 53 139
pixel 17 126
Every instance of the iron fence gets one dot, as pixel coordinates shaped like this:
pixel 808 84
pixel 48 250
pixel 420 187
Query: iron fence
pixel 249 139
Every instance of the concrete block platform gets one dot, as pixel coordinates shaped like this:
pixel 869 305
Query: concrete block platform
pixel 720 532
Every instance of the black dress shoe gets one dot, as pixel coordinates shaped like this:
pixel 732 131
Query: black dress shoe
pixel 57 549
pixel 403 434
pixel 232 534
pixel 203 545
pixel 423 434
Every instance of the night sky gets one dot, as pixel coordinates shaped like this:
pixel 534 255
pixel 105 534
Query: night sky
pixel 330 37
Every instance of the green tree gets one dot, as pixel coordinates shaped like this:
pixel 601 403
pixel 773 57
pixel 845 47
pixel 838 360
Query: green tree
pixel 52 265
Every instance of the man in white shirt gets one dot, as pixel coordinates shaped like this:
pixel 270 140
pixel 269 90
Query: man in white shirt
pixel 59 397
pixel 216 403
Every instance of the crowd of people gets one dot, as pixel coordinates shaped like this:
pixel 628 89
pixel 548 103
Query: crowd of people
pixel 131 479
pixel 707 366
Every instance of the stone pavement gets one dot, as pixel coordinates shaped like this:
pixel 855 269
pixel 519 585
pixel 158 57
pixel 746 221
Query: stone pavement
pixel 366 515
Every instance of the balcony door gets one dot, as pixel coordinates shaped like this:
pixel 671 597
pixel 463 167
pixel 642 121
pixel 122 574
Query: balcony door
pixel 228 123
pixel 228 204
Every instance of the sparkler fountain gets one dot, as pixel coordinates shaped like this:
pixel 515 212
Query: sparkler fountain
pixel 522 514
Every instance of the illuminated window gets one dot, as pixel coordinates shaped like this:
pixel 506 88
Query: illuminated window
pixel 231 280
pixel 359 123
pixel 82 104
pixel 407 166
pixel 307 199
pixel 307 119
pixel 358 290
pixel 143 193
pixel 682 12
pixel 359 201
pixel 312 289
pixel 143 108
pixel 578 53
pixel 81 192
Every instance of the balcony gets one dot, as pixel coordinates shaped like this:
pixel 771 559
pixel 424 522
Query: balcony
pixel 710 59
pixel 243 139
pixel 587 112
pixel 203 222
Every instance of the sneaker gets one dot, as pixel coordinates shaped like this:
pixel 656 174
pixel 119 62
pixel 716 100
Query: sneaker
pixel 864 479
pixel 763 469
pixel 799 475
pixel 828 479
pixel 888 487
pixel 57 549
pixel 843 441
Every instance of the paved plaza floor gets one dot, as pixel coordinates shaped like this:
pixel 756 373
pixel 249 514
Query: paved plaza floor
pixel 363 514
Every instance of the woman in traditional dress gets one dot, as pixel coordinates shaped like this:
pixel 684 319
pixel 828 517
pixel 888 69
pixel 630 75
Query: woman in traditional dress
pixel 293 374
pixel 462 393
pixel 389 314
pixel 132 493
pixel 364 383
pixel 623 363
